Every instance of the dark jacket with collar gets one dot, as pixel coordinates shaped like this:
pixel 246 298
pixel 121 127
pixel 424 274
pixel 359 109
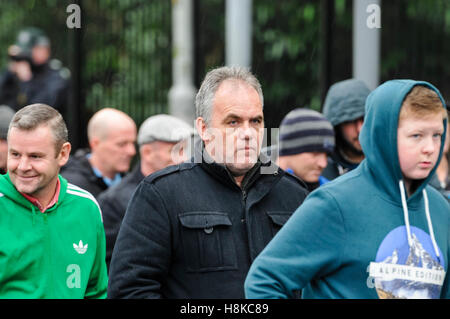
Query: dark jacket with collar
pixel 191 232
pixel 113 203
pixel 78 171
pixel 337 165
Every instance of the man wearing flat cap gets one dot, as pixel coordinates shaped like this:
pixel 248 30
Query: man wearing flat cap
pixel 161 139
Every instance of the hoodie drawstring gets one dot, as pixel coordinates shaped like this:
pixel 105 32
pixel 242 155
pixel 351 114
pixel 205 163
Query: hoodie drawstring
pixel 427 213
pixel 430 226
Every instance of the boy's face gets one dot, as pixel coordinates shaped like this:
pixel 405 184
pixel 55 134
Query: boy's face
pixel 418 144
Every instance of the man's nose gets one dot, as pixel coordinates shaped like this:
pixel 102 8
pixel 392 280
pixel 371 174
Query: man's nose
pixel 24 164
pixel 322 160
pixel 131 150
pixel 430 146
pixel 246 131
pixel 359 123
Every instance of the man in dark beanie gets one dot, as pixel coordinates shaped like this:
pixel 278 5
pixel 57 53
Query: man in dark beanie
pixel 344 108
pixel 6 114
pixel 306 139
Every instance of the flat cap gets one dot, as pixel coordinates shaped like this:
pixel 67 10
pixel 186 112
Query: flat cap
pixel 163 127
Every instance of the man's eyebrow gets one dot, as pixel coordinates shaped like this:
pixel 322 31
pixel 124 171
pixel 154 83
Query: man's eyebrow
pixel 234 116
pixel 36 153
pixel 259 117
pixel 231 116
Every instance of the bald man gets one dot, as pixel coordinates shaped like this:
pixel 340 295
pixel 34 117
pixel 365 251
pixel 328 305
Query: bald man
pixel 112 137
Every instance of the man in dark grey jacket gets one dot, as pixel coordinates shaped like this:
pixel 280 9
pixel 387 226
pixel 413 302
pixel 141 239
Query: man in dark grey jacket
pixel 192 230
pixel 159 137
pixel 344 108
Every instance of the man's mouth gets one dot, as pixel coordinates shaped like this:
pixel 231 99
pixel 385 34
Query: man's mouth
pixel 26 178
pixel 425 164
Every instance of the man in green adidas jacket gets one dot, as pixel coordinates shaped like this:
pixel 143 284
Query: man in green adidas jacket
pixel 52 241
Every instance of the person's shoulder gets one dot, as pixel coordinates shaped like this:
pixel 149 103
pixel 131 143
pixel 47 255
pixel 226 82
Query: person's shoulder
pixel 169 172
pixel 342 187
pixel 83 200
pixel 437 198
pixel 121 191
pixel 292 180
pixel 77 169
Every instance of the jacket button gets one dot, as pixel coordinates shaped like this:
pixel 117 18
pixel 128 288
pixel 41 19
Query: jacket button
pixel 243 220
pixel 209 230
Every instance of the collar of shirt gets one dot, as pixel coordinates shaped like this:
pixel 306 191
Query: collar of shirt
pixel 36 202
pixel 108 181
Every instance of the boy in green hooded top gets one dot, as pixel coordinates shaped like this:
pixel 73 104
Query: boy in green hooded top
pixel 379 231
pixel 52 242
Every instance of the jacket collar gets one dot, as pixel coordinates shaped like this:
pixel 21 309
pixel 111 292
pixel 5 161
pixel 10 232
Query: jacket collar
pixel 263 166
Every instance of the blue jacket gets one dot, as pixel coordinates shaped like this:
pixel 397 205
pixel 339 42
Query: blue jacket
pixel 354 237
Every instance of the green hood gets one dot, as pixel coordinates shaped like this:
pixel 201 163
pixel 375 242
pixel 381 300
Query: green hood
pixel 378 135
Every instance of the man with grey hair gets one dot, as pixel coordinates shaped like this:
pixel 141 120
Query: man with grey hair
pixel 52 236
pixel 162 140
pixel 192 230
pixel 111 134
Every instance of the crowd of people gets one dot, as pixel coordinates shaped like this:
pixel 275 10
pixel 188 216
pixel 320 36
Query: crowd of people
pixel 350 203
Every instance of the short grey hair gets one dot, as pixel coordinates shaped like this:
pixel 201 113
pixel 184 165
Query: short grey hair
pixel 204 100
pixel 32 116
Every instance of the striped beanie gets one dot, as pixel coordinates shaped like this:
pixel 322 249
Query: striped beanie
pixel 304 130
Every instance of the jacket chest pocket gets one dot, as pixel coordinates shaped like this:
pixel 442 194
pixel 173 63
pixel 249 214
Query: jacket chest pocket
pixel 278 219
pixel 207 241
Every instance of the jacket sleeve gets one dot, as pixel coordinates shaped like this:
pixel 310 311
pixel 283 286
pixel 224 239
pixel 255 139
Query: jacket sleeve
pixel 308 246
pixel 98 279
pixel 142 253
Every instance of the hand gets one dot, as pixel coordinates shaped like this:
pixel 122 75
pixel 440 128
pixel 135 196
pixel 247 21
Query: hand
pixel 22 69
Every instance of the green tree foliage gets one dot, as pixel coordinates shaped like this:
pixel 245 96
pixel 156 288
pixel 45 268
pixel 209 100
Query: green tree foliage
pixel 125 48
pixel 127 55
pixel 286 55
pixel 415 45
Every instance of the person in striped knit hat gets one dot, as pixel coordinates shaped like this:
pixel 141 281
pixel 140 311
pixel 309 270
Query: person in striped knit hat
pixel 306 139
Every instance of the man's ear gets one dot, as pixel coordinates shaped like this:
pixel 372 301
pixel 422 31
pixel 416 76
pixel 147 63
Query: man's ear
pixel 64 154
pixel 145 151
pixel 93 142
pixel 201 129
